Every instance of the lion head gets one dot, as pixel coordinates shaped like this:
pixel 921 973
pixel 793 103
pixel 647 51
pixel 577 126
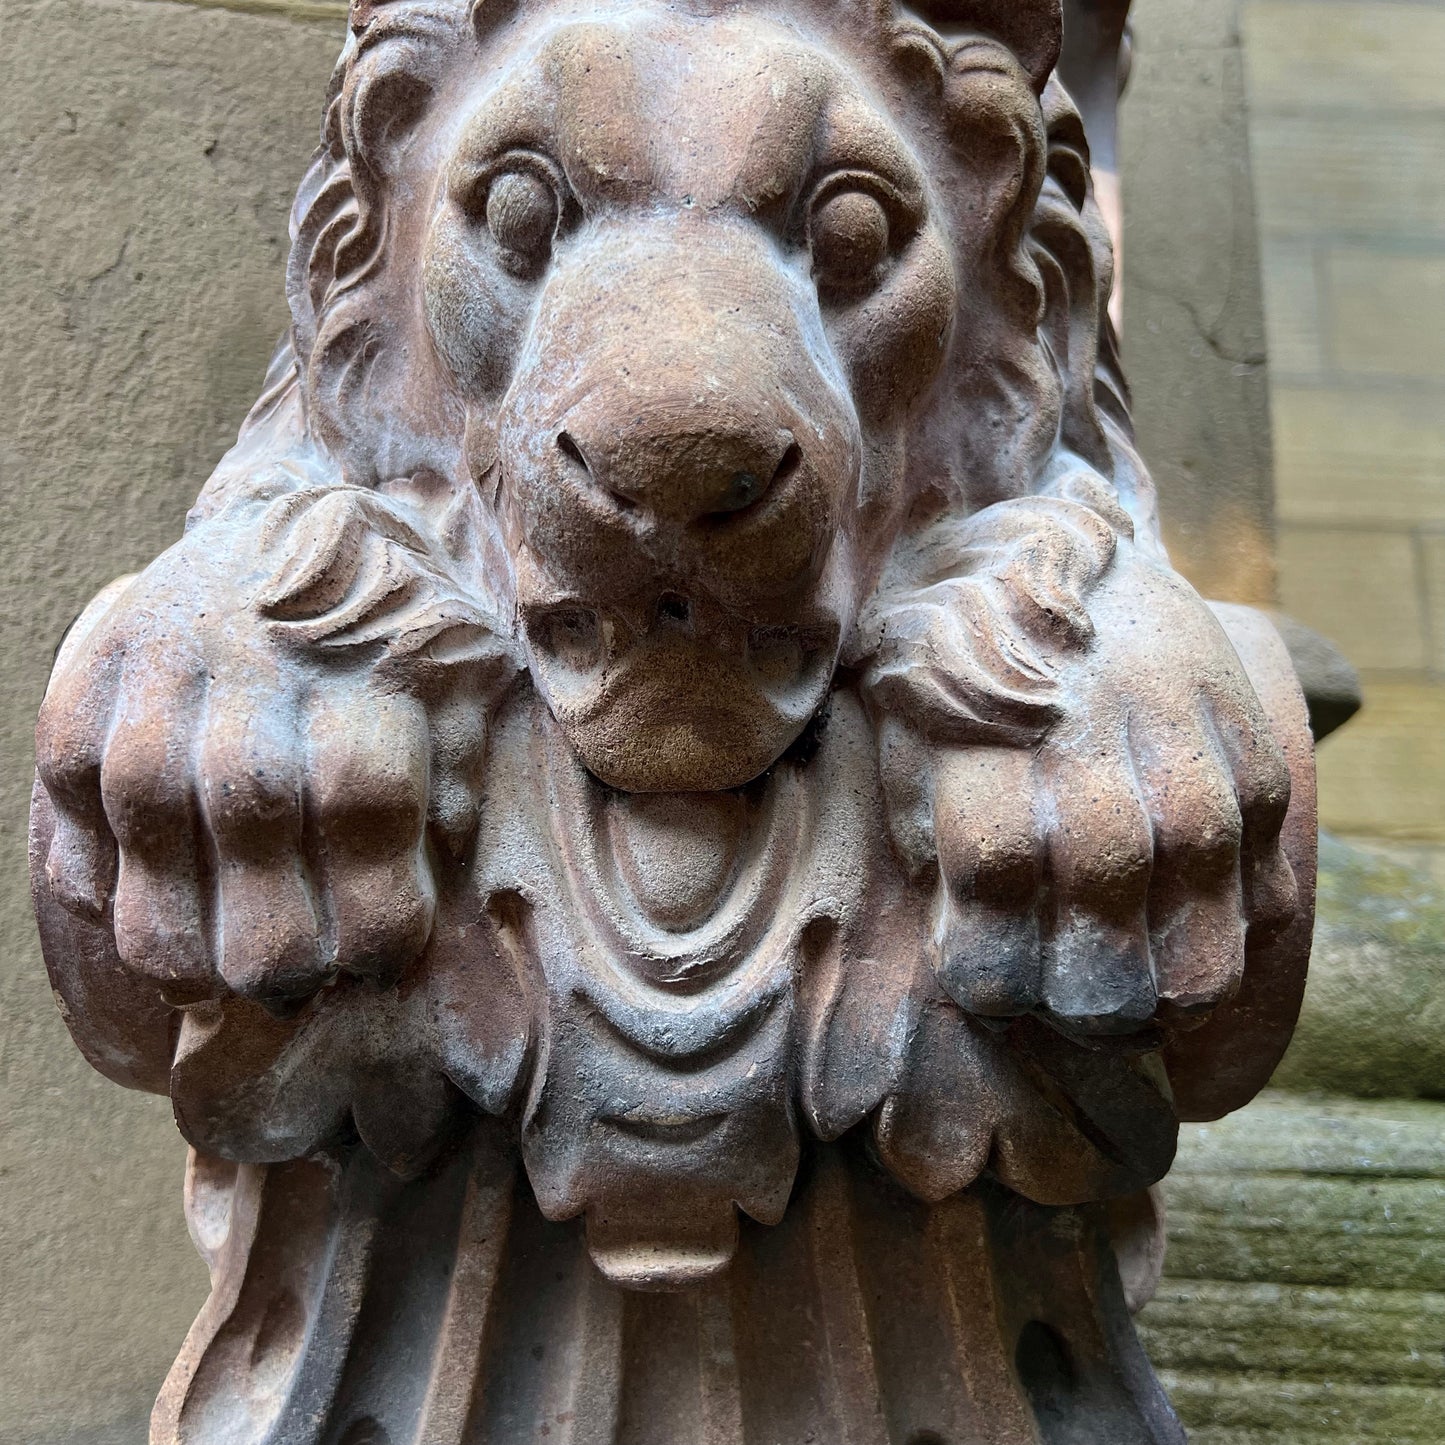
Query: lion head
pixel 720 312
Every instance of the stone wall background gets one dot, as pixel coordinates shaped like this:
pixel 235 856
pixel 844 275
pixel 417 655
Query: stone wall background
pixel 1347 126
pixel 148 158
pixel 149 153
pixel 1193 331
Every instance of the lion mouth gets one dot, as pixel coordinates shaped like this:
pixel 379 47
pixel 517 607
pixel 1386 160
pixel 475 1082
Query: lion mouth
pixel 590 643
pixel 677 696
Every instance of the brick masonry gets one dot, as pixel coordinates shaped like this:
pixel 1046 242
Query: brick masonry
pixel 1347 126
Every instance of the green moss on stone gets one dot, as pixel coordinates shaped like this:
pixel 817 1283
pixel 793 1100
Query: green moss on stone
pixel 1373 1023
pixel 1303 1301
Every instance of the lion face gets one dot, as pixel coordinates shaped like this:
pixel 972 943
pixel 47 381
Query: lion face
pixel 688 281
pixel 708 305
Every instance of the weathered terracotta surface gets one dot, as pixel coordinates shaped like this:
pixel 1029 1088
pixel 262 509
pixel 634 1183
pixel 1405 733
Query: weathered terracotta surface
pixel 670 759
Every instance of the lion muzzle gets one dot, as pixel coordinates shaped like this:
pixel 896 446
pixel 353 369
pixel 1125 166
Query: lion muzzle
pixel 678 453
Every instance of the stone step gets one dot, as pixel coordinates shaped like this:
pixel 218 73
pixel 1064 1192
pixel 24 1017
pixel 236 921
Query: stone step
pixel 1304 1289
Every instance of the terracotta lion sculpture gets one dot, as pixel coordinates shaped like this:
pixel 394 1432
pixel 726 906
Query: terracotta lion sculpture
pixel 668 827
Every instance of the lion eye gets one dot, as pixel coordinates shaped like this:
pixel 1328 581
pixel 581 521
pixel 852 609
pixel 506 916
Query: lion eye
pixel 849 236
pixel 522 213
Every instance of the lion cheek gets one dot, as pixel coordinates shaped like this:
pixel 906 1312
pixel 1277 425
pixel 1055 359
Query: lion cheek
pixel 474 312
pixel 894 344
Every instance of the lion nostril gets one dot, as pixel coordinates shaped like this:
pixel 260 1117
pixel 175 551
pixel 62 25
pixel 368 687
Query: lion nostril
pixel 743 490
pixel 791 460
pixel 674 609
pixel 567 445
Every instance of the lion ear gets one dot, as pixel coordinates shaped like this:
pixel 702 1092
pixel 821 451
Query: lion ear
pixel 1032 29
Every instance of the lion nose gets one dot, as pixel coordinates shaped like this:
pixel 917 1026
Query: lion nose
pixel 686 473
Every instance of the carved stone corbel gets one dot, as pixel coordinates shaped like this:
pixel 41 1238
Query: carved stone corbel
pixel 668 829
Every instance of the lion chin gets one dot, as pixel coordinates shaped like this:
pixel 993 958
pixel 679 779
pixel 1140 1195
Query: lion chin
pixel 675 712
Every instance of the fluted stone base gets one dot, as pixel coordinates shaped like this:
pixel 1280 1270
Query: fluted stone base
pixel 351 1309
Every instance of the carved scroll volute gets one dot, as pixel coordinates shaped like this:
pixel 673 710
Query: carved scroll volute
pixel 674 726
